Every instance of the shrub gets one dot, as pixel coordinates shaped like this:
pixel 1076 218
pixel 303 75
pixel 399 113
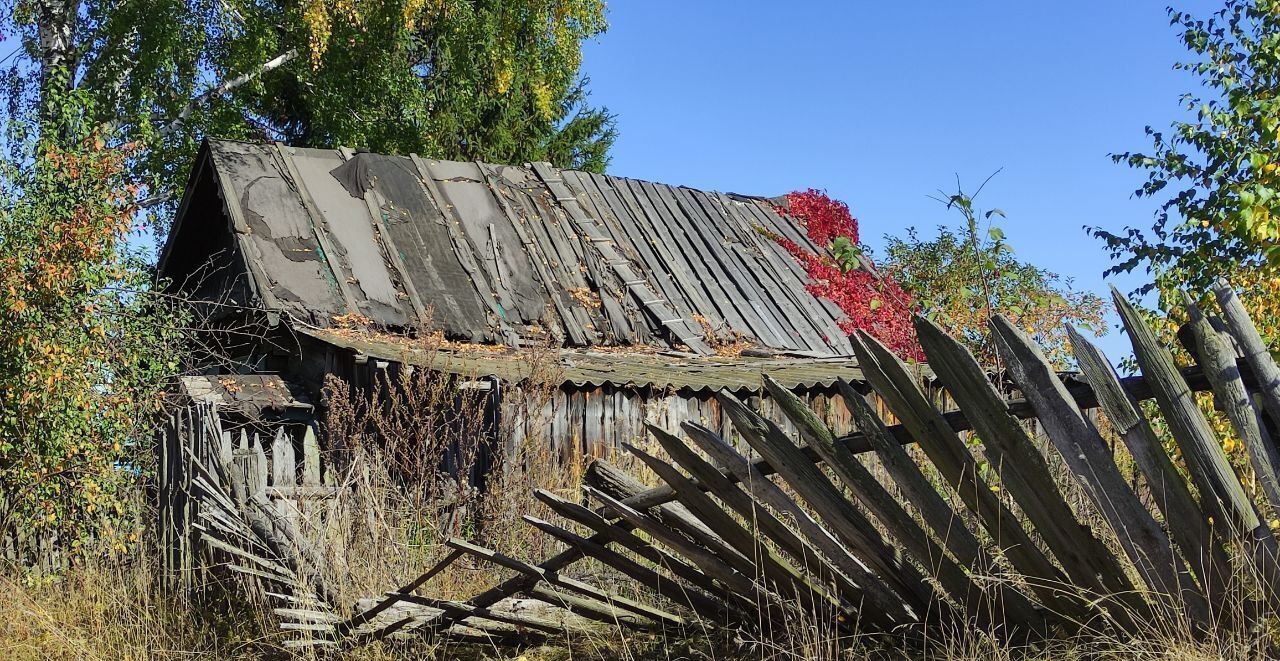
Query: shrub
pixel 84 343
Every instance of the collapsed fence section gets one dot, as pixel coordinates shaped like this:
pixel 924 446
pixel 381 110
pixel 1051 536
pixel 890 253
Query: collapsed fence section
pixel 243 500
pixel 920 521
pixel 962 532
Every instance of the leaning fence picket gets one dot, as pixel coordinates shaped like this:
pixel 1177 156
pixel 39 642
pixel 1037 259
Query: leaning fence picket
pixel 854 580
pixel 735 542
pixel 1218 359
pixel 741 503
pixel 661 585
pixel 1254 349
pixel 1186 522
pixel 1220 490
pixel 849 524
pixel 947 525
pixel 1087 456
pixel 880 503
pixel 959 468
pixel 1024 472
pixel 610 533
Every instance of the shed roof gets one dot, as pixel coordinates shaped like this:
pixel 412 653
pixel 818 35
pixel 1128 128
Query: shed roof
pixel 498 254
pixel 593 368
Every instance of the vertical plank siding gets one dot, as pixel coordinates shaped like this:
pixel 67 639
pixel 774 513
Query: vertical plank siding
pixel 599 421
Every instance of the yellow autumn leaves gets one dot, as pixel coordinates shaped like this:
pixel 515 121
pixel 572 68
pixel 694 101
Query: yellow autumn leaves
pixel 562 24
pixel 565 25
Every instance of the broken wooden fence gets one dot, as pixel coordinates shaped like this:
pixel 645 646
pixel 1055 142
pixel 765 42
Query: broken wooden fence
pixel 808 527
pixel 245 506
pixel 963 532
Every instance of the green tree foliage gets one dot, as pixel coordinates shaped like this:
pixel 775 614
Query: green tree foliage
pixel 1215 172
pixel 494 80
pixel 84 346
pixel 959 278
pixel 1214 177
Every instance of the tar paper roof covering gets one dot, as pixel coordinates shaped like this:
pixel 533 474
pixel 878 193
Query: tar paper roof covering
pixel 501 254
pixel 588 368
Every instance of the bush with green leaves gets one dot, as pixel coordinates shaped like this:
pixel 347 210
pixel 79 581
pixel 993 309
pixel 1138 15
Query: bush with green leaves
pixel 86 345
pixel 960 278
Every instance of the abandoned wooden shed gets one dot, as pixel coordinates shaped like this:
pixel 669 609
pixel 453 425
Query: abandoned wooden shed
pixel 639 300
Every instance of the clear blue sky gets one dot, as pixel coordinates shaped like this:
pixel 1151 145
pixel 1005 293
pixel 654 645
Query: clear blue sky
pixel 883 103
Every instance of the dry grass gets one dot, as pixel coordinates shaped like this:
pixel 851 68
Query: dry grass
pixel 113 610
pixel 116 611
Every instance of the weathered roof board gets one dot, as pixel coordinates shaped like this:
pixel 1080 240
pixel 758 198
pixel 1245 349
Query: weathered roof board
pixel 506 254
pixel 250 394
pixel 587 368
pixel 275 231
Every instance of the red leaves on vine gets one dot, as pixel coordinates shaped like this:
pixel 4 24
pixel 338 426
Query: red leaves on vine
pixel 823 218
pixel 870 302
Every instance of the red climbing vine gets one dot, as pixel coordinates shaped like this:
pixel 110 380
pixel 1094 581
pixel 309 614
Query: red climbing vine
pixel 824 219
pixel 845 276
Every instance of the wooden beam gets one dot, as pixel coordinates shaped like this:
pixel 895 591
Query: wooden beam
pixel 553 578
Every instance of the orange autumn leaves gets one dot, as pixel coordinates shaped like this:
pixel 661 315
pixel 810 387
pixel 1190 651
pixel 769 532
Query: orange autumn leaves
pixel 58 256
pixel 85 234
pixel 80 353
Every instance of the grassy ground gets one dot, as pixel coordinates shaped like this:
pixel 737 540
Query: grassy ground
pixel 112 612
pixel 115 612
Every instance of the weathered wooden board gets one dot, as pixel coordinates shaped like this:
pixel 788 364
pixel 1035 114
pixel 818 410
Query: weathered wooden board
pixel 1221 493
pixel 947 452
pixel 1023 471
pixel 1087 455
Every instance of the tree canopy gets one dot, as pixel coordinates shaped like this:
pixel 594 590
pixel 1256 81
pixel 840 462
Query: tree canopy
pixel 458 79
pixel 961 278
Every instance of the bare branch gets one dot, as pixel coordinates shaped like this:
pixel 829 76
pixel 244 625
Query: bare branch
pixel 153 200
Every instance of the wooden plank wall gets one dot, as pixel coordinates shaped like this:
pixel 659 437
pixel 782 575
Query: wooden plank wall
pixel 595 420
pixel 598 421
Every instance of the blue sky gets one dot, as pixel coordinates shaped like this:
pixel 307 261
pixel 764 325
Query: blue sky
pixel 883 103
